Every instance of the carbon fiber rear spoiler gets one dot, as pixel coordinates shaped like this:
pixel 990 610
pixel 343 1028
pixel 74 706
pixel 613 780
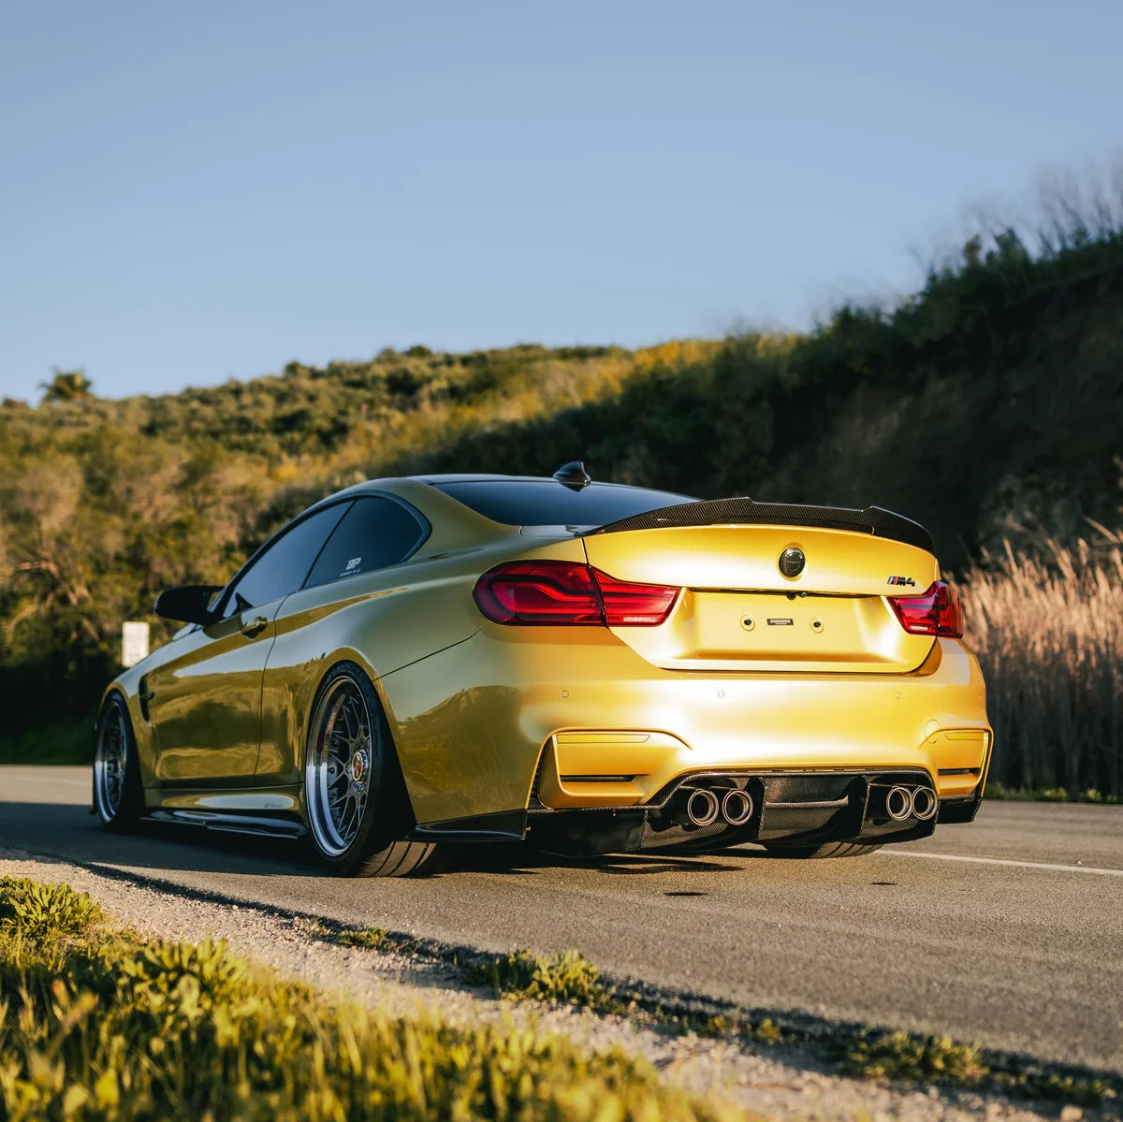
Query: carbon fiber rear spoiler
pixel 744 512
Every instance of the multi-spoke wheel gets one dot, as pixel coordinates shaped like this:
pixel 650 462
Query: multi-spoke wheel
pixel 118 798
pixel 357 807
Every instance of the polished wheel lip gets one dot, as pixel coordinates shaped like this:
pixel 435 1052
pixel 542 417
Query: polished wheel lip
pixel 110 761
pixel 338 769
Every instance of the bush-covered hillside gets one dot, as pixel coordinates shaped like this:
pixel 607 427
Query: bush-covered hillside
pixel 987 406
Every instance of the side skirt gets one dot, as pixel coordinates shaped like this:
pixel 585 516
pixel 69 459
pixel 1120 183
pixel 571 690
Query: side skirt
pixel 264 825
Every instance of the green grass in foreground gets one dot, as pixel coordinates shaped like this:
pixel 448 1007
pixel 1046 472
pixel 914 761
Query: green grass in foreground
pixel 95 1025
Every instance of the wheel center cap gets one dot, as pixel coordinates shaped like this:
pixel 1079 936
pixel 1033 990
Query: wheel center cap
pixel 358 767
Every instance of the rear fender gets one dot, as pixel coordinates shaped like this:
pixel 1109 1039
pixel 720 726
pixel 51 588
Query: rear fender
pixel 385 621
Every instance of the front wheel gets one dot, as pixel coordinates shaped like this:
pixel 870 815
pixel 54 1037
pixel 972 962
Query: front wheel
pixel 358 810
pixel 831 849
pixel 118 793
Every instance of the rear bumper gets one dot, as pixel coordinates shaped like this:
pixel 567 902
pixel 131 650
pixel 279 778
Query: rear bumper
pixel 781 809
pixel 778 809
pixel 576 717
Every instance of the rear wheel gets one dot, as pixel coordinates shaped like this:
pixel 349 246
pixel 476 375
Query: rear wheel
pixel 118 794
pixel 831 849
pixel 358 810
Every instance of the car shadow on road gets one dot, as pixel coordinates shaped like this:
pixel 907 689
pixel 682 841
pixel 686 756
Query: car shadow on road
pixel 70 833
pixel 524 859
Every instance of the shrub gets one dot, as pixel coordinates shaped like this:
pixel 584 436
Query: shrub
pixel 567 978
pixel 902 1055
pixel 44 911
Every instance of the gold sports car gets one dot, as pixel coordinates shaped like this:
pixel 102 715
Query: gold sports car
pixel 588 667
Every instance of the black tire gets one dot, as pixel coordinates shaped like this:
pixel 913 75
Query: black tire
pixel 813 852
pixel 118 794
pixel 358 813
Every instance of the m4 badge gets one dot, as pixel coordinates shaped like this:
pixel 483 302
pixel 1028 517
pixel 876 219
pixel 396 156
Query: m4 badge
pixel 902 580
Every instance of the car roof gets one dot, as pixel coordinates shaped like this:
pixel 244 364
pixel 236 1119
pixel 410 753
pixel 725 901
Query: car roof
pixel 436 479
pixel 485 477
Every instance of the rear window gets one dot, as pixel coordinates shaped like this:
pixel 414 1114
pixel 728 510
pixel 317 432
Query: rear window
pixel 544 502
pixel 373 534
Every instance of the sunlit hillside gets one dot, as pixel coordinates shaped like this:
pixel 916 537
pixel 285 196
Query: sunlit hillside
pixel 988 406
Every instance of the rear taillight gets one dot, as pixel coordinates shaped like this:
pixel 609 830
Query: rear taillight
pixel 935 612
pixel 564 593
pixel 634 605
pixel 540 592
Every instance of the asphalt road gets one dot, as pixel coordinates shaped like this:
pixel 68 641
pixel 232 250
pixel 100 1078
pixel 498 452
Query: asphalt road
pixel 1008 931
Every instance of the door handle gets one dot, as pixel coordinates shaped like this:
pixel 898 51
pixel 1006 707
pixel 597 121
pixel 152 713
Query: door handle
pixel 255 627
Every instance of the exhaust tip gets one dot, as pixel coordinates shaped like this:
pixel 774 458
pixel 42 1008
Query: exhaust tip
pixel 898 803
pixel 737 807
pixel 702 807
pixel 925 803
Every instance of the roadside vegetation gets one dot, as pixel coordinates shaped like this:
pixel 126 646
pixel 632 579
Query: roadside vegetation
pixel 370 938
pixel 855 1050
pixel 926 1058
pixel 987 405
pixel 567 978
pixel 99 1025
pixel 1048 629
pixel 96 1025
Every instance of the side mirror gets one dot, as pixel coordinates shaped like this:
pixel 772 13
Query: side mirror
pixel 189 604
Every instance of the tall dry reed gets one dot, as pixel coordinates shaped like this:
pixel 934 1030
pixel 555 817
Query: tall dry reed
pixel 1049 634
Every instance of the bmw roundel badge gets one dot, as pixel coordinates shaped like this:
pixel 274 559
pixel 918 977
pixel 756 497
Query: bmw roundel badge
pixel 792 561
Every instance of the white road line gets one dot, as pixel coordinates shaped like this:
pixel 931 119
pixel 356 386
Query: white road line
pixel 1001 861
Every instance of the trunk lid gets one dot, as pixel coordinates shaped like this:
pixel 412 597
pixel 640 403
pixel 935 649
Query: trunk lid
pixel 739 611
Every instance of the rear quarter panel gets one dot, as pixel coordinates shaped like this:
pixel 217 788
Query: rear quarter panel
pixel 383 621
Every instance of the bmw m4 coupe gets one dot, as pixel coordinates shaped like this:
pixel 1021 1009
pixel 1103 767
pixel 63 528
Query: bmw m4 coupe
pixel 588 667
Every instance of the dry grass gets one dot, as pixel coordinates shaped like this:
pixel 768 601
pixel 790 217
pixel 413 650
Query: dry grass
pixel 1049 634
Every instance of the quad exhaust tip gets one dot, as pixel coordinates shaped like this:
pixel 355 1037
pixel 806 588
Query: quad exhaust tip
pixel 924 803
pixel 901 803
pixel 898 803
pixel 737 807
pixel 703 807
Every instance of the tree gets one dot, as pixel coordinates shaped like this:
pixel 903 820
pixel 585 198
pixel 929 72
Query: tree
pixel 67 385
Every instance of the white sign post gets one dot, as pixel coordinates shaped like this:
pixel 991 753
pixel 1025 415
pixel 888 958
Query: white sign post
pixel 134 642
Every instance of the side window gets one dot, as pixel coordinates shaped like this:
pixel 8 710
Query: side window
pixel 375 533
pixel 281 569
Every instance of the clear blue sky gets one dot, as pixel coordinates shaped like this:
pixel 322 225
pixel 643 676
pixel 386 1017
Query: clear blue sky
pixel 196 191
